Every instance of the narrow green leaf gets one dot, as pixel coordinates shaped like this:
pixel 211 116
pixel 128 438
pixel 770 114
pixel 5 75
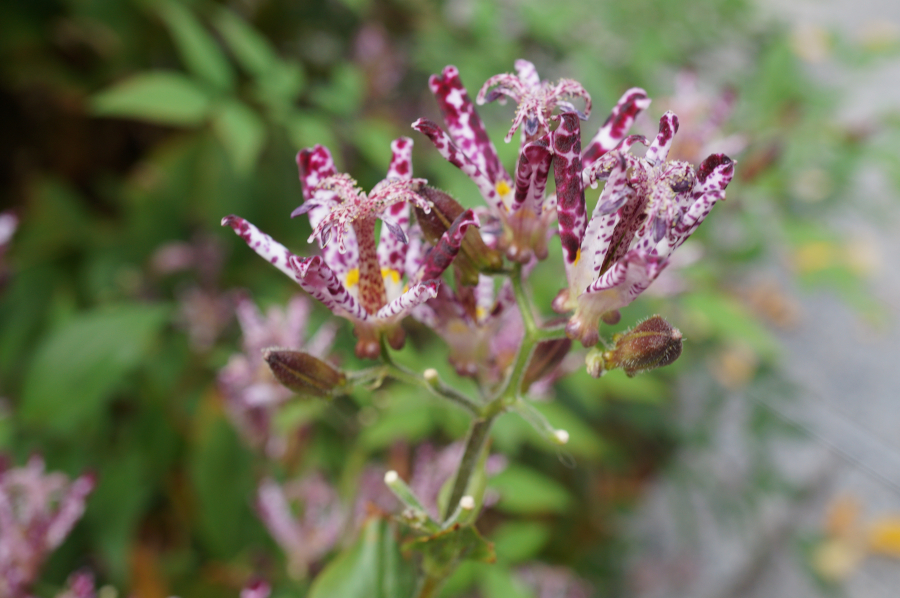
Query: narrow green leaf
pixel 161 97
pixel 250 48
pixel 371 568
pixel 525 491
pixel 242 132
pixel 199 51
pixel 499 581
pixel 78 368
pixel 519 541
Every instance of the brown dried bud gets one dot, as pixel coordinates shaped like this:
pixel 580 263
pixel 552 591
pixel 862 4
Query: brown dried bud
pixel 474 256
pixel 546 357
pixel 303 373
pixel 652 344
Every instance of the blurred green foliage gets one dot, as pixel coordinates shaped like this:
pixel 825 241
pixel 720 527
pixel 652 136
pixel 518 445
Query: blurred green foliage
pixel 129 125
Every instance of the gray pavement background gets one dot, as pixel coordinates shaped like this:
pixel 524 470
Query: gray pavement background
pixel 847 373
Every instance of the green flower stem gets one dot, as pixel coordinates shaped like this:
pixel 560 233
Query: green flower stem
pixel 550 333
pixel 478 434
pixel 439 389
pixel 428 587
pixel 524 303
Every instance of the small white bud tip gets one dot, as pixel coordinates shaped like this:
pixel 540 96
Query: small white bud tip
pixel 430 375
pixel 391 477
pixel 562 436
pixel 467 503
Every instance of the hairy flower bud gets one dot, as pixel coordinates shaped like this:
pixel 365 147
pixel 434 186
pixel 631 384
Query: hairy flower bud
pixel 474 256
pixel 303 373
pixel 653 343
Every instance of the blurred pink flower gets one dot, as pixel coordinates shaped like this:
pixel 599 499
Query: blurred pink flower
pixel 37 512
pixel 252 394
pixel 554 582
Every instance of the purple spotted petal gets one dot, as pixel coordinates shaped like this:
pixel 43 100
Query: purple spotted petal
pixel 441 255
pixel 616 126
pixel 464 124
pixel 527 73
pixel 312 274
pixel 713 176
pixel 455 156
pixel 401 159
pixel 600 229
pixel 405 303
pixel 320 281
pixel 659 149
pixel 316 165
pixel 570 208
pixel 623 282
pixel 272 251
pixel 392 245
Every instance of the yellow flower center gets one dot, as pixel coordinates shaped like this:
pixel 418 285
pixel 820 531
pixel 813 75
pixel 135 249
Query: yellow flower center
pixel 352 278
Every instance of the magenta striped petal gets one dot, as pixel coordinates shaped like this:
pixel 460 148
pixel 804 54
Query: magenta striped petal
pixel 405 303
pixel 464 124
pixel 455 156
pixel 441 255
pixel 570 208
pixel 616 126
pixel 531 175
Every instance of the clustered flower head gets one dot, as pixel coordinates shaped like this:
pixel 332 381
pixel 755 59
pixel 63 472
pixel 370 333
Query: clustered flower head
pixel 648 207
pixel 37 512
pixel 373 284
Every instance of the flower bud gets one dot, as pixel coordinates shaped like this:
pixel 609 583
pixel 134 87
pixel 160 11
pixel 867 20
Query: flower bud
pixel 303 373
pixel 547 356
pixel 653 343
pixel 595 363
pixel 474 256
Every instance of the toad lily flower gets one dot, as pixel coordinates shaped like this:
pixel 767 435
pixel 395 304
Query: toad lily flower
pixel 535 99
pixel 647 209
pixel 355 277
pixel 518 207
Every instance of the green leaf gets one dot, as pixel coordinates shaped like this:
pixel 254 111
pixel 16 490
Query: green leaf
pixel 371 568
pixel 526 491
pixel 499 581
pixel 242 132
pixel 221 473
pixel 305 129
pixel 407 419
pixel 249 47
pixel 444 550
pixel 78 368
pixel 198 49
pixel 519 541
pixel 159 96
pixel 727 319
